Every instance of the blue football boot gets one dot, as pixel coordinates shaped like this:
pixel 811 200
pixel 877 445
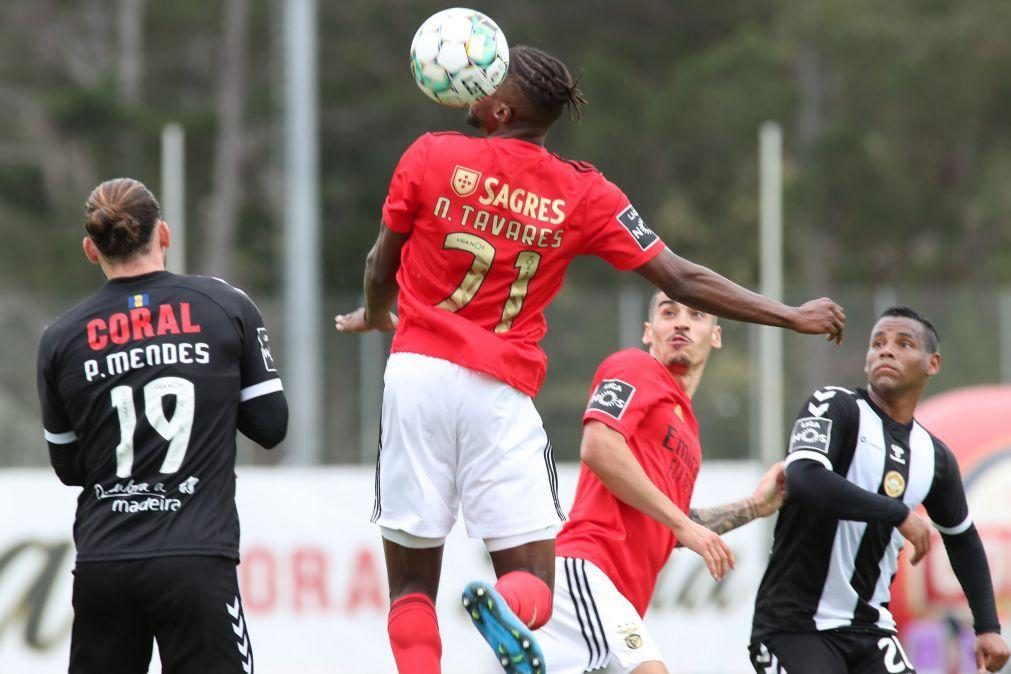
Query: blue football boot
pixel 512 641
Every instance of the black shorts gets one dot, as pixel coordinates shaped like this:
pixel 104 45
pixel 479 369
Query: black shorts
pixel 189 604
pixel 829 652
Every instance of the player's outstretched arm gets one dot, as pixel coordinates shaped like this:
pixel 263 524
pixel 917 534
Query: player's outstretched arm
pixel 767 499
pixel 381 288
pixel 605 452
pixel 704 289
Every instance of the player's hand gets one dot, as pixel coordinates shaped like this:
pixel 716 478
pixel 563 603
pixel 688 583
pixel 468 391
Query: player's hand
pixel 991 652
pixel 916 530
pixel 821 317
pixel 713 550
pixel 771 491
pixel 357 321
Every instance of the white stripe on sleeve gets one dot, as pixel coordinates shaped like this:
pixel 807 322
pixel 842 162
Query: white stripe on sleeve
pixel 957 529
pixel 261 389
pixel 60 438
pixel 809 454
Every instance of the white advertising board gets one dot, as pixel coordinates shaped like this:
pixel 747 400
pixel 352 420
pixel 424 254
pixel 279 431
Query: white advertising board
pixel 313 579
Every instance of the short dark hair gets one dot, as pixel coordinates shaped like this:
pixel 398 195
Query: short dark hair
pixel 654 304
pixel 546 82
pixel 932 340
pixel 120 216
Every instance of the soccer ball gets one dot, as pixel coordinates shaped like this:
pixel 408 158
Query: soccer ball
pixel 459 56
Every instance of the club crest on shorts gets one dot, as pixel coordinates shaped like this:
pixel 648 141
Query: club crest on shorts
pixel 632 637
pixel 464 181
pixel 611 397
pixel 895 484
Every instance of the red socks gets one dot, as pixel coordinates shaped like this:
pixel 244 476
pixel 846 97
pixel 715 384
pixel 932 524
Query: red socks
pixel 414 635
pixel 528 596
pixel 414 629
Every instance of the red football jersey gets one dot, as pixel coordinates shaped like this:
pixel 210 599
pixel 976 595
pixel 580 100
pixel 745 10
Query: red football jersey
pixel 634 394
pixel 493 224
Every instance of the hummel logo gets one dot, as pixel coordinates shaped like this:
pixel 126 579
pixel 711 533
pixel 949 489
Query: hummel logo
pixel 242 639
pixel 822 397
pixel 897 454
pixel 817 410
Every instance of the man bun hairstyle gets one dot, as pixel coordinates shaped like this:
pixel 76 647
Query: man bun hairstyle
pixel 120 216
pixel 932 340
pixel 546 82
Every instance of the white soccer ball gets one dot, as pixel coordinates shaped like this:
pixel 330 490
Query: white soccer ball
pixel 459 56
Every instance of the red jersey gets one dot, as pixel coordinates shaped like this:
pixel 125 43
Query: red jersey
pixel 634 394
pixel 493 225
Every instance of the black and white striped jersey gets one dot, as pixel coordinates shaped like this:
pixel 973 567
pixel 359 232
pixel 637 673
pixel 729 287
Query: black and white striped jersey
pixel 145 378
pixel 825 573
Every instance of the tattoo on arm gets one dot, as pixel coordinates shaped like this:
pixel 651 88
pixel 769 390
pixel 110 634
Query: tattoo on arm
pixel 724 518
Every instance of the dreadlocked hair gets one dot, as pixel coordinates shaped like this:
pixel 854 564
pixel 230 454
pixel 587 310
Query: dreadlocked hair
pixel 546 82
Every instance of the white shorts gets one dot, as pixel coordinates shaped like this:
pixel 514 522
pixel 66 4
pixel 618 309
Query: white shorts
pixel 592 625
pixel 455 437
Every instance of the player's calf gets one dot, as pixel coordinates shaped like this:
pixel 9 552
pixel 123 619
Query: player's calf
pixel 414 635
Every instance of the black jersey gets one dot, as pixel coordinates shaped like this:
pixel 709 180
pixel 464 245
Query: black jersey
pixel 146 376
pixel 825 573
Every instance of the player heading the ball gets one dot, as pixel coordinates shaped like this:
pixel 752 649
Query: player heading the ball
pixel 475 240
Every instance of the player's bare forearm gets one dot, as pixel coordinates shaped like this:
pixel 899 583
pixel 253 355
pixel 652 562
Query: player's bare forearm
pixel 380 294
pixel 606 454
pixel 723 518
pixel 767 498
pixel 380 282
pixel 380 286
pixel 704 289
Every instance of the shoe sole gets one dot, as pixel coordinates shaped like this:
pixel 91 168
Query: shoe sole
pixel 512 642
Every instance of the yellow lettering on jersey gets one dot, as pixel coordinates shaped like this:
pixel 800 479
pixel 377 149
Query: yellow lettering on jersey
pixel 529 234
pixel 522 202
pixel 491 222
pixel 513 233
pixel 481 221
pixel 442 208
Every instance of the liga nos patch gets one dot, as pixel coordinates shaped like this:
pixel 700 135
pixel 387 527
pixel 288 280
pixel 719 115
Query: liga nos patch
pixel 611 397
pixel 637 227
pixel 811 433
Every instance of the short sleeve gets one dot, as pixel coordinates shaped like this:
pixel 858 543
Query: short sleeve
pixel 615 231
pixel 401 203
pixel 945 502
pixel 624 391
pixel 55 420
pixel 824 428
pixel 258 372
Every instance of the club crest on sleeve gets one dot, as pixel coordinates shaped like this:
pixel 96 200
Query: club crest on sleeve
pixel 268 358
pixel 811 433
pixel 464 181
pixel 637 227
pixel 612 397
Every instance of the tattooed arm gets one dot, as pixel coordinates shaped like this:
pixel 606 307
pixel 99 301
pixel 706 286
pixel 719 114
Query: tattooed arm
pixel 767 499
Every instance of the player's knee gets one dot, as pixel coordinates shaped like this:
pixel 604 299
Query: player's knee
pixel 529 597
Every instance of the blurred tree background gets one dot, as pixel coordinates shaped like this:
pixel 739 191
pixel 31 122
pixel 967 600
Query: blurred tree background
pixel 898 147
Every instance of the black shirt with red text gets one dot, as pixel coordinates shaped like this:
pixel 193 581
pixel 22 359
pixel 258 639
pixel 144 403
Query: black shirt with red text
pixel 146 377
